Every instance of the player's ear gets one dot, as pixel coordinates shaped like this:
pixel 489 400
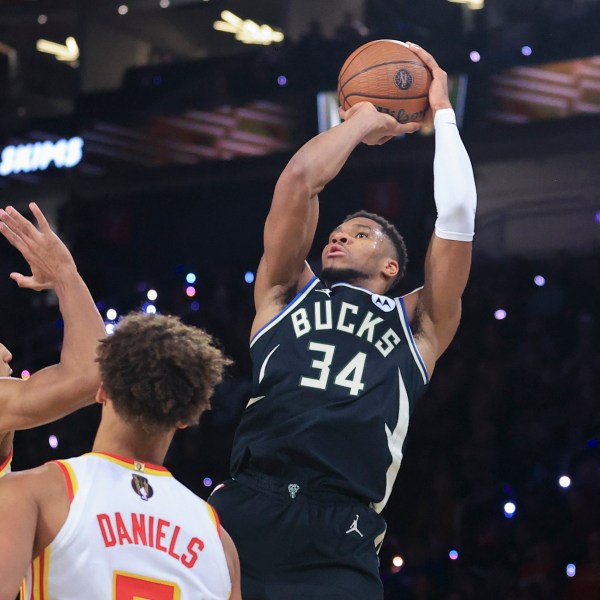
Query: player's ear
pixel 391 268
pixel 101 395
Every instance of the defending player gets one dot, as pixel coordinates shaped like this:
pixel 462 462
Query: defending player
pixel 62 388
pixel 337 368
pixel 114 523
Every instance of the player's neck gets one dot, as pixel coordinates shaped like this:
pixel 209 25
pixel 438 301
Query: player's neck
pixel 373 284
pixel 121 439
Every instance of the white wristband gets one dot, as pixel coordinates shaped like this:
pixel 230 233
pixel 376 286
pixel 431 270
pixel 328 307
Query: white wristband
pixel 453 181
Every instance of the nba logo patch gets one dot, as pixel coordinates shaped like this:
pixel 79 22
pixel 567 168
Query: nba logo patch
pixel 141 486
pixel 383 303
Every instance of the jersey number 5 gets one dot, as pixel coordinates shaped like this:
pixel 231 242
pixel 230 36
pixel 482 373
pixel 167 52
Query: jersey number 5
pixel 349 377
pixel 127 586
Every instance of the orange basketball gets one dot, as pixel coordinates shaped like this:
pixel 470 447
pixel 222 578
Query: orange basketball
pixel 389 75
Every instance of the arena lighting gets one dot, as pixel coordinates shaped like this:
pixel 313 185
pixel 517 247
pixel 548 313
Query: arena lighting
pixel 69 52
pixel 123 9
pixel 25 158
pixel 53 441
pixel 571 570
pixel 539 280
pixel 246 30
pixel 472 4
pixel 42 19
pixel 149 309
pixel 474 56
pixel 190 291
pixel 526 51
pixel 207 481
pixel 191 277
pixel 249 277
pixel 111 314
pixel 453 555
pixel 25 374
pixel 152 295
pixel 564 481
pixel 110 328
pixel 164 3
pixel 500 314
pixel 397 561
pixel 195 306
pixel 509 510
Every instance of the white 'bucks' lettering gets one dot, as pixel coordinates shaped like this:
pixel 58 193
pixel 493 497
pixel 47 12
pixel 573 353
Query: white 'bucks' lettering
pixel 347 321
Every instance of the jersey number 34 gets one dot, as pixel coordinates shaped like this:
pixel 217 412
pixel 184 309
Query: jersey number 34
pixel 350 376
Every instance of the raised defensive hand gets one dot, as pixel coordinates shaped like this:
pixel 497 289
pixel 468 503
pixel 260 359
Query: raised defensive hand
pixel 46 254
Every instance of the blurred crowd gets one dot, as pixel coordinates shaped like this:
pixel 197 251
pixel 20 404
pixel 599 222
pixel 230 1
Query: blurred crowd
pixel 499 489
pixel 479 509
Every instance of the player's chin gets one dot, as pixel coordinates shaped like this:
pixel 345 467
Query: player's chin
pixel 332 262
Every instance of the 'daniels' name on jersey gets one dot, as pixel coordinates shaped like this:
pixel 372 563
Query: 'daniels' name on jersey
pixel 145 530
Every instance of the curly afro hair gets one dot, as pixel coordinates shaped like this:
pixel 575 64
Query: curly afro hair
pixel 159 372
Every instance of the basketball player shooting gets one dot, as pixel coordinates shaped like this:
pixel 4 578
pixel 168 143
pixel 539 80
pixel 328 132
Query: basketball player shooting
pixel 114 523
pixel 338 366
pixel 64 387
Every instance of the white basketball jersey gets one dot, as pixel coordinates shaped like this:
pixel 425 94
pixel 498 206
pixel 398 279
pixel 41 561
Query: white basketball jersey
pixel 5 465
pixel 133 533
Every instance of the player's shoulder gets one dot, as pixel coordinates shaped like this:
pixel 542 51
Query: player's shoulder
pixel 44 482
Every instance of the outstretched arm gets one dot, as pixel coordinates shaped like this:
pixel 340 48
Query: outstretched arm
pixel 292 220
pixel 62 388
pixel 448 259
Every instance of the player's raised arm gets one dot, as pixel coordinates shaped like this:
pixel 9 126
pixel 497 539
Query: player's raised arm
pixel 61 388
pixel 292 220
pixel 448 259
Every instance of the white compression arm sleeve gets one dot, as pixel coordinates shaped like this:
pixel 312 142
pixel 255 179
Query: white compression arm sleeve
pixel 453 181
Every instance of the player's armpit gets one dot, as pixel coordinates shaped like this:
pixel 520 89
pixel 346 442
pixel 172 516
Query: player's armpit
pixel 438 309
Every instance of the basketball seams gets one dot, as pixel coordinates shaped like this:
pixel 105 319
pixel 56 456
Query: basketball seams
pixel 384 97
pixel 383 64
pixel 383 72
pixel 353 57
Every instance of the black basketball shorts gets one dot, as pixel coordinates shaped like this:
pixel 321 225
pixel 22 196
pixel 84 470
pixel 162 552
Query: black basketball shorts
pixel 298 545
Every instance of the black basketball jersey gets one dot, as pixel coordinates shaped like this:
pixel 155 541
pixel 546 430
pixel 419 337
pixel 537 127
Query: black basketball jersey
pixel 335 377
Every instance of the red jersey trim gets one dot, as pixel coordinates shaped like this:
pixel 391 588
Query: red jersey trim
pixel 131 463
pixel 215 519
pixel 6 464
pixel 70 478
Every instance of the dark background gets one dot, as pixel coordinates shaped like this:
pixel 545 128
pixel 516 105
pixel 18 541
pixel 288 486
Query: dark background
pixel 513 404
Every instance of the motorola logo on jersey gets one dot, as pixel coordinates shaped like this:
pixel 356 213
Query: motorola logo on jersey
pixel 141 486
pixel 383 302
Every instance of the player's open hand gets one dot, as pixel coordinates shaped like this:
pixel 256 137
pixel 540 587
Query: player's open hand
pixel 381 127
pixel 48 258
pixel 438 91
